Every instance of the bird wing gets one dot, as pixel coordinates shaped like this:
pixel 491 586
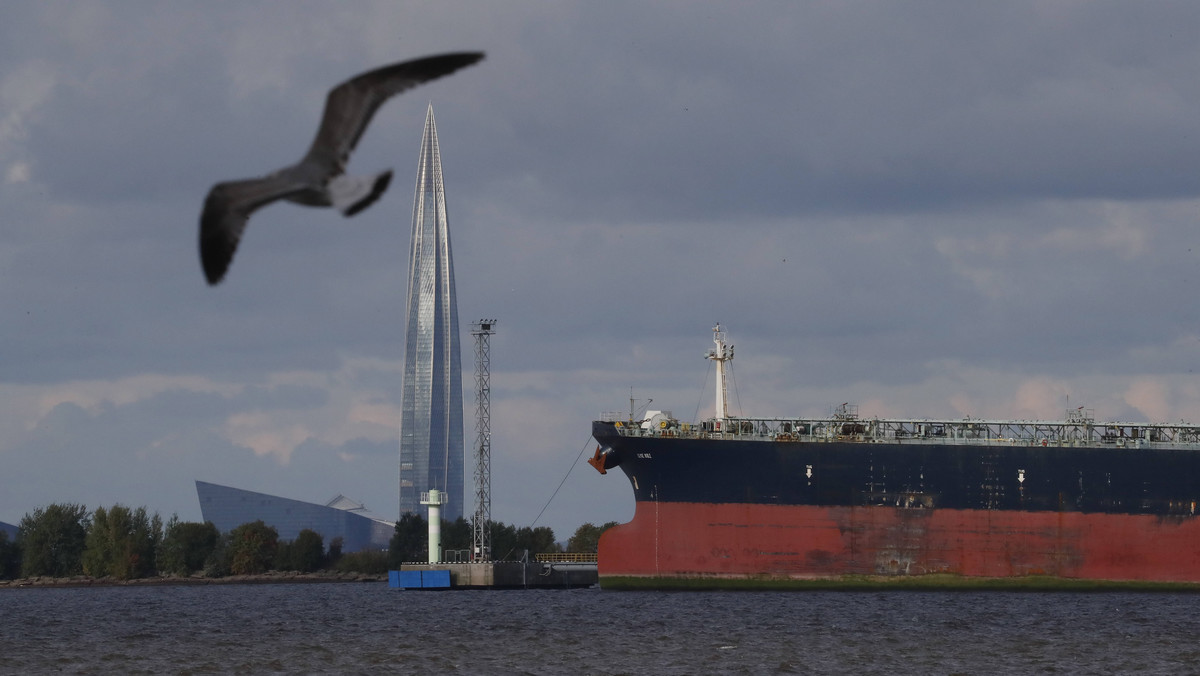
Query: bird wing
pixel 350 106
pixel 226 211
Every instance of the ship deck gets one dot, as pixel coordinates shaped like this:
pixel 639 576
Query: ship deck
pixel 1078 430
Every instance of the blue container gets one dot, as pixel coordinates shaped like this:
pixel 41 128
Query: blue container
pixel 419 579
pixel 404 579
pixel 435 579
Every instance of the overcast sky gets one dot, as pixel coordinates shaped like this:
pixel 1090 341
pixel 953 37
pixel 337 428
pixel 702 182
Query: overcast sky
pixel 934 210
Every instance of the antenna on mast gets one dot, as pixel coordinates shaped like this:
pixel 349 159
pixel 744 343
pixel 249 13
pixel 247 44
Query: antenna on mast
pixel 633 404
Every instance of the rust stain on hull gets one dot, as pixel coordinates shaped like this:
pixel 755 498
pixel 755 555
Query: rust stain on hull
pixel 747 540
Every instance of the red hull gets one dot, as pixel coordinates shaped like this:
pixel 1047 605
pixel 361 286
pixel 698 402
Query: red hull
pixel 703 540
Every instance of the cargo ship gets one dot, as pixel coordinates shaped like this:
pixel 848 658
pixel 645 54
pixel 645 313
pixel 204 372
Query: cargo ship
pixel 781 502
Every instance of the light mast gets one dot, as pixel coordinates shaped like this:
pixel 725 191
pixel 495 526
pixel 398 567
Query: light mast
pixel 481 537
pixel 720 354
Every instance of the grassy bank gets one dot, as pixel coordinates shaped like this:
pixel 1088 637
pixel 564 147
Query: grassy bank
pixel 271 577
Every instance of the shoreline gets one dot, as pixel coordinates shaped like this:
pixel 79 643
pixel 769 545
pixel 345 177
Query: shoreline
pixel 271 577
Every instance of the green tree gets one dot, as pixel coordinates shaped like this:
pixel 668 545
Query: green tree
pixel 98 551
pixel 510 543
pixel 538 540
pixel 310 551
pixel 456 534
pixel 10 557
pixel 186 546
pixel 52 540
pixel 504 541
pixel 409 541
pixel 587 537
pixel 219 562
pixel 121 543
pixel 304 554
pixel 368 561
pixel 334 552
pixel 252 548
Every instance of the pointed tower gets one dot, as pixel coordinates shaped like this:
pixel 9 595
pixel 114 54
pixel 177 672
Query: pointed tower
pixel 431 421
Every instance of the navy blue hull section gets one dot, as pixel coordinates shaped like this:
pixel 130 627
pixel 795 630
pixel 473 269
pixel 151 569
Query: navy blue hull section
pixel 972 476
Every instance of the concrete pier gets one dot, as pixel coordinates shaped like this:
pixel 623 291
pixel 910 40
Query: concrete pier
pixel 508 575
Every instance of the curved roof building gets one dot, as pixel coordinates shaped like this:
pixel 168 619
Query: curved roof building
pixel 227 508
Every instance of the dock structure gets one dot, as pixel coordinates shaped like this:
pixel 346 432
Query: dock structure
pixel 536 574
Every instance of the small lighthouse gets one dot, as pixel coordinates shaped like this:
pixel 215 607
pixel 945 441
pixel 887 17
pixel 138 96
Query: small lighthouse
pixel 435 500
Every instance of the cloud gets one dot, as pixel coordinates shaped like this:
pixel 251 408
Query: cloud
pixel 1151 398
pixel 1041 398
pixel 23 90
pixel 929 210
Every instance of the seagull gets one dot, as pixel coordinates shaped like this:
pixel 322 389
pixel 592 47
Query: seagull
pixel 318 180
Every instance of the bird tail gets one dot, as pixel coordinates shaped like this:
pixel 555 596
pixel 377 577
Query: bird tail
pixel 352 194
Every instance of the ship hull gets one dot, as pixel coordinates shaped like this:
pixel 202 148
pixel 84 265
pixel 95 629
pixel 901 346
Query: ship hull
pixel 713 513
pixel 713 545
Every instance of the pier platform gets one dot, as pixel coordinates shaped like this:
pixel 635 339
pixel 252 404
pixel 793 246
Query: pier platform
pixel 495 575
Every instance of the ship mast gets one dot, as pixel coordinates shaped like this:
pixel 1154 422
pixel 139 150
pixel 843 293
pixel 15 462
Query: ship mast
pixel 720 354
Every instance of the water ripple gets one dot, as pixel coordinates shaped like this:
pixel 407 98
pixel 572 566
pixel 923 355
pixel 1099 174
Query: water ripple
pixel 366 628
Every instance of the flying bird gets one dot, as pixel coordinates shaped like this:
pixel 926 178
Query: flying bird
pixel 318 180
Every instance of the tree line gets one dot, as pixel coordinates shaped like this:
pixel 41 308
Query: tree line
pixel 410 541
pixel 67 540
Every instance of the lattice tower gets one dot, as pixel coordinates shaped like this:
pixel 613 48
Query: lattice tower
pixel 481 538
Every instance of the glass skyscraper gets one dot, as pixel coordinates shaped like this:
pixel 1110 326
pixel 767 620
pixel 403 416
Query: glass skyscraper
pixel 431 420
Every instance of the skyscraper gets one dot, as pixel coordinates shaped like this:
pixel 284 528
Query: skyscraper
pixel 431 421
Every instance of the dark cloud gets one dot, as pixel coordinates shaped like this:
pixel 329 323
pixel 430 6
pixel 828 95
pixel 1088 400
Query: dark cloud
pixel 933 203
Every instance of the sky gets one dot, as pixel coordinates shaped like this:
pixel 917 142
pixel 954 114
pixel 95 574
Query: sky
pixel 929 209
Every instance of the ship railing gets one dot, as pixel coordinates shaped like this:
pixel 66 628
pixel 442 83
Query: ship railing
pixel 1073 432
pixel 565 557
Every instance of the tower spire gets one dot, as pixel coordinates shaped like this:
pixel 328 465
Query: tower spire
pixel 431 419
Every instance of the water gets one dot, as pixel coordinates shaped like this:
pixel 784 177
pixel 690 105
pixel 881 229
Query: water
pixel 368 628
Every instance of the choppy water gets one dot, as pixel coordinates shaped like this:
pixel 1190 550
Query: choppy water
pixel 369 628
